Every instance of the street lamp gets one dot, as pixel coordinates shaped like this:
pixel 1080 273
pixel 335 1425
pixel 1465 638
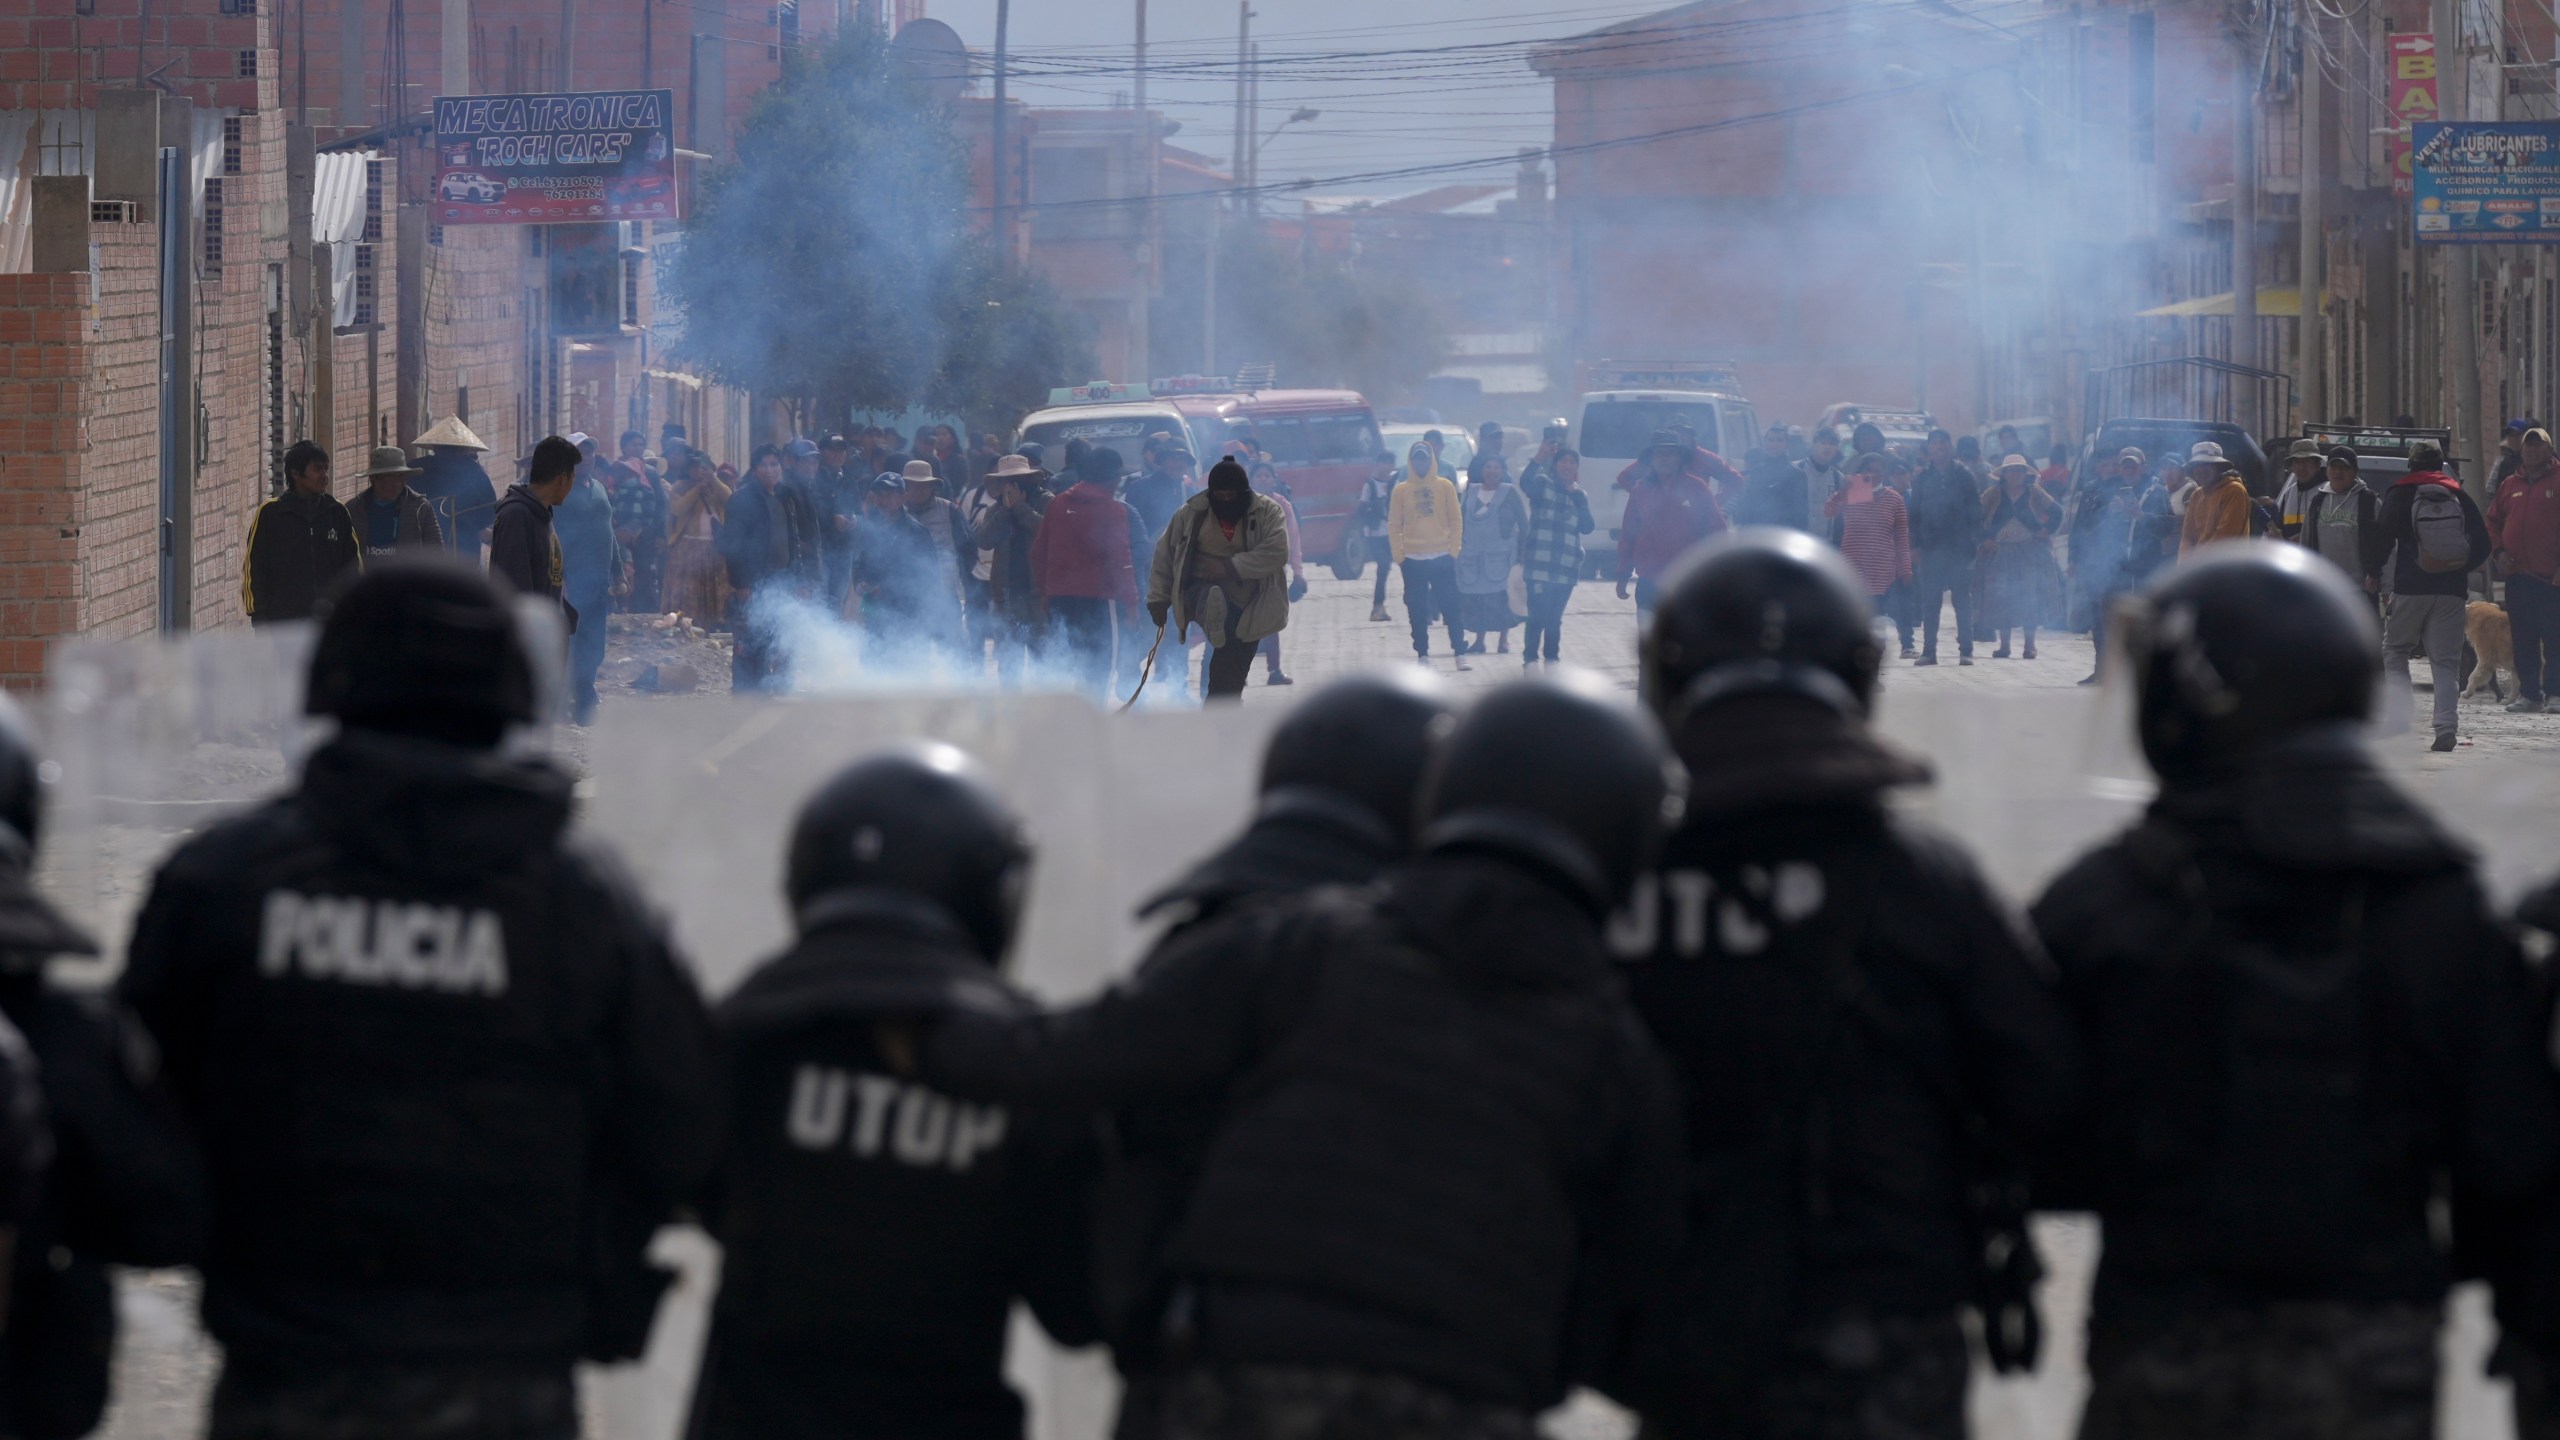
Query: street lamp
pixel 1253 182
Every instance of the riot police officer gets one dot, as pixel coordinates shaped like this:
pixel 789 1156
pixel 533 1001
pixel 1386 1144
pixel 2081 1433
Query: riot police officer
pixel 875 1231
pixel 1445 1170
pixel 446 1074
pixel 2303 1027
pixel 1864 1040
pixel 1339 778
pixel 122 1186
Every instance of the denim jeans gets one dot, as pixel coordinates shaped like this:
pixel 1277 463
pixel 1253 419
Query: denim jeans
pixel 1546 619
pixel 1431 593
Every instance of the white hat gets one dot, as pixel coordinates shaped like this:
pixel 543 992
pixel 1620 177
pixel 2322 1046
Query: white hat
pixel 2205 451
pixel 1009 465
pixel 919 470
pixel 451 433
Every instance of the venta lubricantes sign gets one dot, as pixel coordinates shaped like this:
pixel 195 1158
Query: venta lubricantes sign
pixel 543 159
pixel 2487 182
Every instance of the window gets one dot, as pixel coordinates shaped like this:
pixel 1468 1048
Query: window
pixel 212 263
pixel 1333 439
pixel 231 7
pixel 365 309
pixel 631 286
pixel 248 64
pixel 231 144
pixel 1620 429
pixel 275 378
pixel 1286 440
pixel 372 202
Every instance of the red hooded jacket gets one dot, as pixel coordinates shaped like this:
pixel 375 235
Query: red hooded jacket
pixel 1082 550
pixel 2525 522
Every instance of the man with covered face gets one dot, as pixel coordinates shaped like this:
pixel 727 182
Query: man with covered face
pixel 1222 565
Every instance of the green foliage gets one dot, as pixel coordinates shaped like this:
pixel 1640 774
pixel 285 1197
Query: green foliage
pixel 834 261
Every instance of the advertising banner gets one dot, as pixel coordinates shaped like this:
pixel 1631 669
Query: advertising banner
pixel 2412 98
pixel 546 159
pixel 2487 182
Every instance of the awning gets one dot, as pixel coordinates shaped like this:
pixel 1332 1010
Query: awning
pixel 2285 303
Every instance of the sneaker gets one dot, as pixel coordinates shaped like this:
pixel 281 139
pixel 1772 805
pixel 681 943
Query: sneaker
pixel 1925 659
pixel 1278 678
pixel 1377 612
pixel 2530 705
pixel 1909 654
pixel 1462 663
pixel 1964 660
pixel 2445 740
pixel 2090 679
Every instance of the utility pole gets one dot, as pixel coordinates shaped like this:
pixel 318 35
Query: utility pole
pixel 2244 199
pixel 1142 321
pixel 1253 131
pixel 1244 63
pixel 2312 371
pixel 1235 172
pixel 1002 223
pixel 2458 317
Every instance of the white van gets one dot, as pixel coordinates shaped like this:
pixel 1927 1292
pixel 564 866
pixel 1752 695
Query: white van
pixel 1614 428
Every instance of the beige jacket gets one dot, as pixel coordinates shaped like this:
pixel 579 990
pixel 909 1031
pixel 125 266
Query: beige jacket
pixel 1261 561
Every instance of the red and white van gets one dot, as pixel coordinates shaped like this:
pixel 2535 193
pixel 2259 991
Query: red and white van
pixel 1323 442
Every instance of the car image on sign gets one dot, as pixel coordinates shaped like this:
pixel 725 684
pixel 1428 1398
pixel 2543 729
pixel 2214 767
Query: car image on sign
pixel 469 188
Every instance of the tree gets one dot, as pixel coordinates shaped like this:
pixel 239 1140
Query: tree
pixel 833 261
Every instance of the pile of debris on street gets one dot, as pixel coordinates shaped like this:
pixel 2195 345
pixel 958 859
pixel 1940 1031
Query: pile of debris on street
pixel 662 655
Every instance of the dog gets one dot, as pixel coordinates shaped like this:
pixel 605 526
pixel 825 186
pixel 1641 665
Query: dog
pixel 2485 626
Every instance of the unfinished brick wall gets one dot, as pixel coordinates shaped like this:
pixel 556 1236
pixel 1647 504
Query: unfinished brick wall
pixel 43 392
pixel 120 475
pixel 475 315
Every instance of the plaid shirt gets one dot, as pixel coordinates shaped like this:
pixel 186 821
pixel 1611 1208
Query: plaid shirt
pixel 1558 519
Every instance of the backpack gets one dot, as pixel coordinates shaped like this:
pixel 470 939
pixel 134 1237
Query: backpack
pixel 2443 540
pixel 2243 1085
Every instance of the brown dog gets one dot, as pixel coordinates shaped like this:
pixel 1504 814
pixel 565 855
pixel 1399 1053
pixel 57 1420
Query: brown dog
pixel 2485 626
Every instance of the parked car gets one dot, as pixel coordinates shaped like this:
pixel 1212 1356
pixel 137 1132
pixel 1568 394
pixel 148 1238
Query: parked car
pixel 469 187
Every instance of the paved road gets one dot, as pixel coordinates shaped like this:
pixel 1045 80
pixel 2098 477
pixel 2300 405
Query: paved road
pixel 1330 633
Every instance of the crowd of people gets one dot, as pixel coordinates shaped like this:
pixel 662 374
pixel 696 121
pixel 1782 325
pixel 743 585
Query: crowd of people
pixel 1539 1042
pixel 938 555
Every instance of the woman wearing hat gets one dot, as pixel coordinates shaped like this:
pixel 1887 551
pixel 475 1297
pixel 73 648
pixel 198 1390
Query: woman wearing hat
pixel 2017 585
pixel 391 517
pixel 697 578
pixel 456 487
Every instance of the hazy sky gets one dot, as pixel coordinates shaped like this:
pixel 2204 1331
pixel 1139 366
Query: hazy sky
pixel 1380 104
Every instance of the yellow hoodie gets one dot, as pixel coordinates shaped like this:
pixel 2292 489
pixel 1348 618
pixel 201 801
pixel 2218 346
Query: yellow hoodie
pixel 1422 516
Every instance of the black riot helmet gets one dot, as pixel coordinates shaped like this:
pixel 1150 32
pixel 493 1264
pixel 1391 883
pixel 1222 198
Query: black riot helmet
pixel 2246 643
pixel 1561 772
pixel 423 645
pixel 1365 738
pixel 1763 609
pixel 921 821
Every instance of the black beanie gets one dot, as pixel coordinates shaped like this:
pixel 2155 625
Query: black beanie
pixel 1228 475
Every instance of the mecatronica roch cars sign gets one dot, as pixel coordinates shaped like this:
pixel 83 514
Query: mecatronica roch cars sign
pixel 541 159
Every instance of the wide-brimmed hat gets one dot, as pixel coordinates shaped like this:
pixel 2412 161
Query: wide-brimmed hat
pixel 451 433
pixel 2205 453
pixel 1009 466
pixel 2016 462
pixel 2303 449
pixel 390 460
pixel 1665 439
pixel 2134 454
pixel 919 470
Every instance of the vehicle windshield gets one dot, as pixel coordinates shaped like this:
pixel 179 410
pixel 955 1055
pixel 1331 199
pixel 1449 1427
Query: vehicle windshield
pixel 1620 429
pixel 1457 449
pixel 1124 431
